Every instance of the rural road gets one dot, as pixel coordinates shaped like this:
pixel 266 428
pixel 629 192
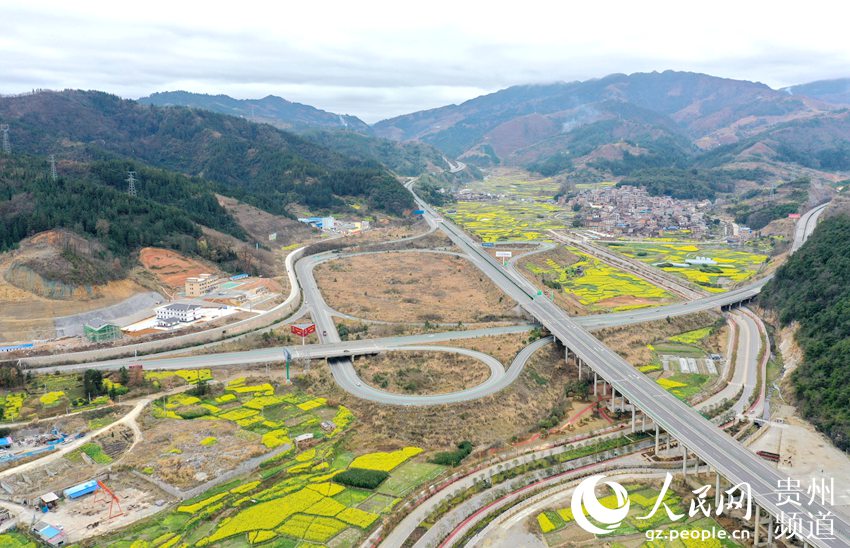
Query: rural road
pixel 745 373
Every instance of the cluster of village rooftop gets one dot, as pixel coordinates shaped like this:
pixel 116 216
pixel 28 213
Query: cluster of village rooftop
pixel 632 211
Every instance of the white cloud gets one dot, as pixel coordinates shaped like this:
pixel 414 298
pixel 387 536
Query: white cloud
pixel 378 59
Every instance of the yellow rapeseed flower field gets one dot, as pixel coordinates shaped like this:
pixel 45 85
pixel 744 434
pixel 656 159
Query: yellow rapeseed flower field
pixel 384 461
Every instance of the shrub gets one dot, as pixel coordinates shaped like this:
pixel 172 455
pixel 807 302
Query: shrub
pixel 192 412
pixel 360 477
pixel 453 458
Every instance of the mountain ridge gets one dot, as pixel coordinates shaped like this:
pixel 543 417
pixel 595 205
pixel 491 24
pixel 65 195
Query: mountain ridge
pixel 271 109
pixel 836 90
pixel 605 127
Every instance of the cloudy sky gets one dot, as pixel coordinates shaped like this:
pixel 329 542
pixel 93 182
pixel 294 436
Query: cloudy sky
pixel 379 59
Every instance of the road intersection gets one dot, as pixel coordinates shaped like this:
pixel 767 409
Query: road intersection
pixel 694 432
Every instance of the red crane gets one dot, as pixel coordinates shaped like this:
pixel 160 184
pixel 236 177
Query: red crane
pixel 110 496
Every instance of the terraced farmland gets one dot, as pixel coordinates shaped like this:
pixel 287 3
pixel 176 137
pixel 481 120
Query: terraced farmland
pixel 295 498
pixel 516 184
pixel 732 265
pixel 524 210
pixel 597 285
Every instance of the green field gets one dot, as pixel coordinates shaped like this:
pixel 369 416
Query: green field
pixel 684 385
pixel 16 540
pixel 679 349
pixel 733 265
pixel 594 282
pixel 685 345
pixel 408 476
pixel 691 337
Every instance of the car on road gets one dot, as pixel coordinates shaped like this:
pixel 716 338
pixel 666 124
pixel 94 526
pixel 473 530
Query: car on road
pixel 359 383
pixel 346 351
pixel 324 333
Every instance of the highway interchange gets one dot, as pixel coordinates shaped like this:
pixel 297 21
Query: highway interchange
pixel 694 432
pixel 691 429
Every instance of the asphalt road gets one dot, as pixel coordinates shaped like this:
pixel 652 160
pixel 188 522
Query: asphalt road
pixel 746 366
pixel 346 377
pixel 694 432
pixel 276 354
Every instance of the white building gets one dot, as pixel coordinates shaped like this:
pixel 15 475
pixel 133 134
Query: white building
pixel 701 261
pixel 180 312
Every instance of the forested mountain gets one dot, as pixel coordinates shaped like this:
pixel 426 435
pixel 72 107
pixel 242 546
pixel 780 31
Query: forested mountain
pixel 270 110
pixel 256 163
pixel 347 135
pixel 409 158
pixel 813 288
pixel 819 142
pixel 616 125
pixel 832 91
pixel 90 199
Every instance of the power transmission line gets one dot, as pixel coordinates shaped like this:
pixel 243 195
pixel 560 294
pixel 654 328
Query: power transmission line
pixel 131 183
pixel 53 174
pixel 7 147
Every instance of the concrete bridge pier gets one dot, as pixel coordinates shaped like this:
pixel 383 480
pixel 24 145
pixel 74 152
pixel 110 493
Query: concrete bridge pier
pixel 656 439
pixel 594 383
pixel 765 521
pixel 716 488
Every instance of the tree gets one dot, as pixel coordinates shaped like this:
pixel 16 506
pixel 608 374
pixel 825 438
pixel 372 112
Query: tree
pixel 101 227
pixel 124 376
pixel 93 382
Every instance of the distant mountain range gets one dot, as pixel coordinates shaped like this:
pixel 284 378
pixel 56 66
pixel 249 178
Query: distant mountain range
pixel 597 129
pixel 611 126
pixel 270 110
pixel 831 91
pixel 677 133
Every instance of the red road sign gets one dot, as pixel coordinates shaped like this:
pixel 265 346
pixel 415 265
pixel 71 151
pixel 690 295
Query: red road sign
pixel 302 330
